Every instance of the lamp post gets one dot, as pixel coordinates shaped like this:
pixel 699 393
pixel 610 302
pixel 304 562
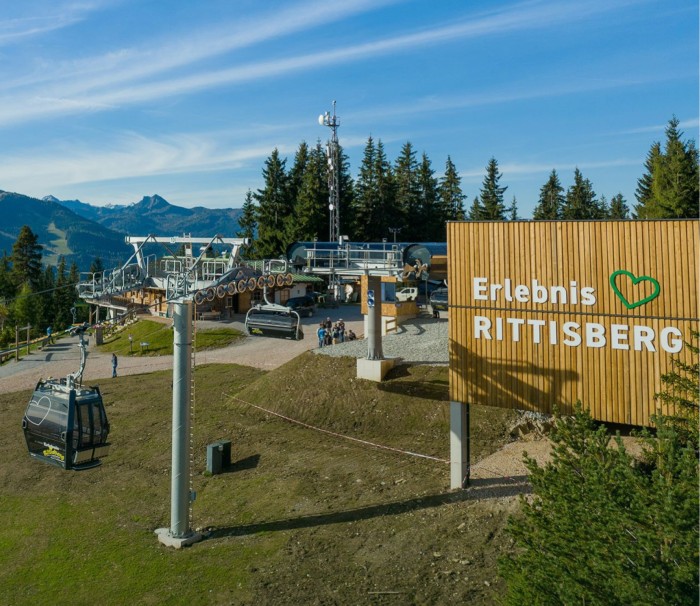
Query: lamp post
pixel 394 230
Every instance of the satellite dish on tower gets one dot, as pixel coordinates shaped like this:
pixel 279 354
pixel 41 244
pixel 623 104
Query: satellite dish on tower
pixel 320 119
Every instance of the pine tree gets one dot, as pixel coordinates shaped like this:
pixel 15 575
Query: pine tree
pixel 96 267
pixel 618 208
pixel 407 194
pixel 645 198
pixel 431 220
pixel 346 194
pixel 47 300
pixel 388 215
pixel 601 528
pixel 7 286
pixel 64 298
pixel 26 258
pixel 551 200
pixel 374 209
pixel 669 189
pixel 297 172
pixel 491 194
pixel 310 219
pixel 366 198
pixel 581 202
pixel 682 390
pixel 274 206
pixel 25 307
pixel 476 211
pixel 451 196
pixel 248 225
pixel 513 210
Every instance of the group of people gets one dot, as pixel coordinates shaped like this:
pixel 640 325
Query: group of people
pixel 330 334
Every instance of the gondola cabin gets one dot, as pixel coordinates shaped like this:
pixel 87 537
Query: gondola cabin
pixel 274 321
pixel 66 426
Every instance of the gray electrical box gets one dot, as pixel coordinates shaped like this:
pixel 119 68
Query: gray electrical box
pixel 218 456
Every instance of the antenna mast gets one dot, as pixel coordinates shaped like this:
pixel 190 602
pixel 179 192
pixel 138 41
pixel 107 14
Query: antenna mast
pixel 332 155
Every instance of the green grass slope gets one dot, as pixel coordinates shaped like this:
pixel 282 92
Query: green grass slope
pixel 301 517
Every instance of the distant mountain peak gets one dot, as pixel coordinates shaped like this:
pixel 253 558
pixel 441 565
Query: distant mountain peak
pixel 154 202
pixel 50 198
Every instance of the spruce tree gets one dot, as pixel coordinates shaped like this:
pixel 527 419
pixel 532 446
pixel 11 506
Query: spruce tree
pixel 248 225
pixel 388 214
pixel 618 208
pixel 476 211
pixel 374 209
pixel 407 188
pixel 581 202
pixel 26 259
pixel 274 206
pixel 491 194
pixel 64 298
pixel 512 213
pixel 7 286
pixel 310 217
pixel 645 207
pixel 346 195
pixel 669 188
pixel 431 219
pixel 603 529
pixel 26 308
pixel 451 196
pixel 551 200
pixel 96 267
pixel 682 391
pixel 47 300
pixel 366 198
pixel 297 172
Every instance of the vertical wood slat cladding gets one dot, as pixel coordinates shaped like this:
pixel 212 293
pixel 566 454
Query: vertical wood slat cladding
pixel 616 385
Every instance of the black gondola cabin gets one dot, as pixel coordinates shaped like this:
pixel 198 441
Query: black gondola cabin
pixel 66 426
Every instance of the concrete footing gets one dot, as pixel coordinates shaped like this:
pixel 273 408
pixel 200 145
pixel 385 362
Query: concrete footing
pixel 374 370
pixel 168 540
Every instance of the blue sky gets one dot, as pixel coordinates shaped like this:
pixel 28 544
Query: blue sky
pixel 110 100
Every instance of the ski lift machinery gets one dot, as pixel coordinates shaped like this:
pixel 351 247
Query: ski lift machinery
pixel 65 423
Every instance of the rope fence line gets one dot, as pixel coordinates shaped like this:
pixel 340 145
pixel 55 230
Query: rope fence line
pixel 478 466
pixel 337 435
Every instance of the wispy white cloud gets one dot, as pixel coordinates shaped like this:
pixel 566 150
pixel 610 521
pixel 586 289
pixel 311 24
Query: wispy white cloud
pixel 122 74
pixel 48 18
pixel 660 128
pixel 131 156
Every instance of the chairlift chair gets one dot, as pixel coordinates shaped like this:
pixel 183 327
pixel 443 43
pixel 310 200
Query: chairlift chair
pixel 276 321
pixel 65 423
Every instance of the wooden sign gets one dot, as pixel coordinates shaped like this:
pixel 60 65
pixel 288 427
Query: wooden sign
pixel 546 313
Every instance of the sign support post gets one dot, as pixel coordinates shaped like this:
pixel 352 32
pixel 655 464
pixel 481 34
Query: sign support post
pixel 459 445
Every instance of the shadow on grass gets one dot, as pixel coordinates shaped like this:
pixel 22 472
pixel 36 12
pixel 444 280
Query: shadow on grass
pixel 250 462
pixel 480 489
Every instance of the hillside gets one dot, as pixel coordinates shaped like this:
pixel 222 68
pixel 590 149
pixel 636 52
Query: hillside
pixel 60 232
pixel 300 517
pixel 155 215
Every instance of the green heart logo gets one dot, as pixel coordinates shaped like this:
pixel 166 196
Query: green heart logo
pixel 635 281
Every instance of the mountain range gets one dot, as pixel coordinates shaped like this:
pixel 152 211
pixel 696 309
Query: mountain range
pixel 81 232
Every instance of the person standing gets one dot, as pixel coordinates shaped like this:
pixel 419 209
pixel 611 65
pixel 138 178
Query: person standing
pixel 321 334
pixel 49 332
pixel 114 365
